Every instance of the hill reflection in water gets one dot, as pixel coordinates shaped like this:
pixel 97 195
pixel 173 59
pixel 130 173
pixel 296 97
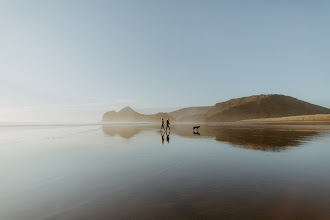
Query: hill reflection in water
pixel 265 138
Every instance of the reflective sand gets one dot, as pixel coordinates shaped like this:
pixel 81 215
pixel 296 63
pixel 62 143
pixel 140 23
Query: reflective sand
pixel 138 172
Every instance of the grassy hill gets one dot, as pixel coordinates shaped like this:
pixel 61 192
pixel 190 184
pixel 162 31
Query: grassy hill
pixel 261 106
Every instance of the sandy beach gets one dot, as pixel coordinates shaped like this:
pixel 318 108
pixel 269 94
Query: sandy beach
pixel 319 119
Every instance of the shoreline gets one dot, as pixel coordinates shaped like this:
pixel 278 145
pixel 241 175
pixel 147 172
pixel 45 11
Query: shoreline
pixel 271 122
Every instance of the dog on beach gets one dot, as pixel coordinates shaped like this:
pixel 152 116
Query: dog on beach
pixel 196 127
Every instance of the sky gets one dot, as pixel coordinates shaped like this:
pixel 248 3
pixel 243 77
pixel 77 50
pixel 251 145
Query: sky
pixel 70 61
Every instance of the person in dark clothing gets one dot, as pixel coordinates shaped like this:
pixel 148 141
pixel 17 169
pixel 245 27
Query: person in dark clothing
pixel 162 127
pixel 168 124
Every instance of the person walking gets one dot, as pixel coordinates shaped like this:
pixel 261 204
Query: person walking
pixel 162 127
pixel 168 124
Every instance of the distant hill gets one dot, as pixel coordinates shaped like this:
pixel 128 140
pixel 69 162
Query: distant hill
pixel 245 108
pixel 261 106
pixel 189 114
pixel 129 115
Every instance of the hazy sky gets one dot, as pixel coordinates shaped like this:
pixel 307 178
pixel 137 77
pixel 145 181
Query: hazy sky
pixel 73 60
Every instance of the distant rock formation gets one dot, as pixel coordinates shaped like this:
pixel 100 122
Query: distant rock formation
pixel 261 106
pixel 129 115
pixel 251 107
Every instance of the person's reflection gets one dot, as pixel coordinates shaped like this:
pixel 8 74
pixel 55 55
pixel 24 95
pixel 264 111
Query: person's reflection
pixel 162 133
pixel 168 137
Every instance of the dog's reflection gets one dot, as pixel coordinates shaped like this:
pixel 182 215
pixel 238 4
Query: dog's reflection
pixel 167 136
pixel 196 133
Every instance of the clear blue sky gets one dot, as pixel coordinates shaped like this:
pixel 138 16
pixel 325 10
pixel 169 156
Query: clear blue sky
pixel 72 60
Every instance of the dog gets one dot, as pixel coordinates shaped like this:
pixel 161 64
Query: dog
pixel 196 127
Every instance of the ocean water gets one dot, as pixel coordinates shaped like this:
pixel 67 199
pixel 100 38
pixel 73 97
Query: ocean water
pixel 138 172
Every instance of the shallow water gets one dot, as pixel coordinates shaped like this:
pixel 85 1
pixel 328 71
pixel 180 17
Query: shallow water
pixel 138 172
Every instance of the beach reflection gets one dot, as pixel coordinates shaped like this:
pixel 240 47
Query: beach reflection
pixel 162 134
pixel 127 130
pixel 168 137
pixel 167 134
pixel 120 172
pixel 264 138
pixel 259 138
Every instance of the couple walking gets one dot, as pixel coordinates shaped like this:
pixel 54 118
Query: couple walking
pixel 167 124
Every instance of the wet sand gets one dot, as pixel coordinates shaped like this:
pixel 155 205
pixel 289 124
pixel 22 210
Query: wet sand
pixel 129 172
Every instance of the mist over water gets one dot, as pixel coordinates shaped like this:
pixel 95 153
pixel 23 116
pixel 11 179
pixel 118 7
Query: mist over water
pixel 136 171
